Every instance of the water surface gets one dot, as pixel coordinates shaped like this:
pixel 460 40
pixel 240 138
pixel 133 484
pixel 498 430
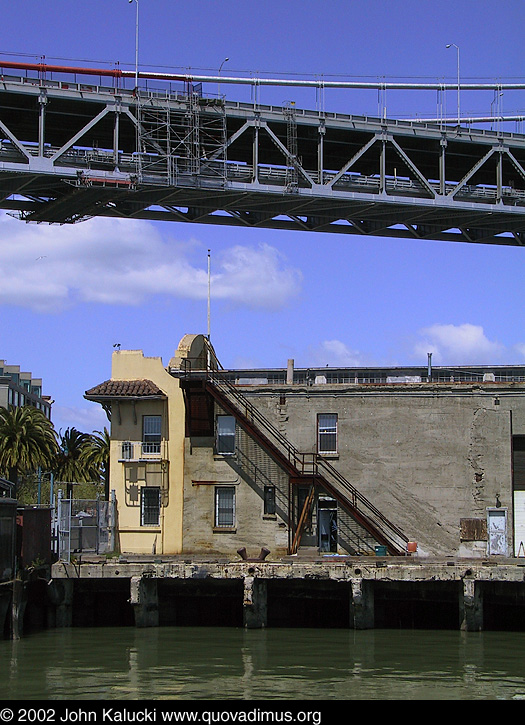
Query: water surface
pixel 203 663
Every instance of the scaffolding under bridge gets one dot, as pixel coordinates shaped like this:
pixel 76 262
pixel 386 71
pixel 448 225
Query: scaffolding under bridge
pixel 180 155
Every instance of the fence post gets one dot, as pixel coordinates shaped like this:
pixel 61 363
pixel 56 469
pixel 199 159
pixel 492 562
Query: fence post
pixel 112 519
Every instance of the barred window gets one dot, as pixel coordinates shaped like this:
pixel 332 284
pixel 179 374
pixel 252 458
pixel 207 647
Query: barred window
pixel 327 433
pixel 150 506
pixel 225 506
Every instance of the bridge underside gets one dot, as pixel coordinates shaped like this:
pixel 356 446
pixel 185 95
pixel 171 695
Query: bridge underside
pixel 42 199
pixel 69 152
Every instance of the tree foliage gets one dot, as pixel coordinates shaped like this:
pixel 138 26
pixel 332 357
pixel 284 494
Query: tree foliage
pixel 96 456
pixel 27 440
pixel 70 464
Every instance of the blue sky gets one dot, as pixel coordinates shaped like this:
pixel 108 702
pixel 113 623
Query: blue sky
pixel 318 298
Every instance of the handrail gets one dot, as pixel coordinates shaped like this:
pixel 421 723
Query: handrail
pixel 334 473
pixel 253 415
pixel 305 464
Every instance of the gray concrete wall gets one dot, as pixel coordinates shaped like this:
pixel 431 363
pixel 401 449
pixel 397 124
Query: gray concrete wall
pixel 425 455
pixel 248 471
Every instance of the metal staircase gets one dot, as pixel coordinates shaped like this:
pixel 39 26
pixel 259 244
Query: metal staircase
pixel 371 526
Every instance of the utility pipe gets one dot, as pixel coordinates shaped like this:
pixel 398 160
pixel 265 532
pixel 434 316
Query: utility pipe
pixel 471 119
pixel 189 78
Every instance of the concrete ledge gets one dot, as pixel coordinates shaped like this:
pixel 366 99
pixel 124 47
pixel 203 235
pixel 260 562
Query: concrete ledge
pixel 343 569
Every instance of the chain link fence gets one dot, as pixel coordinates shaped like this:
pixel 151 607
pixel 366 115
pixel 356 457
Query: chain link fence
pixel 85 526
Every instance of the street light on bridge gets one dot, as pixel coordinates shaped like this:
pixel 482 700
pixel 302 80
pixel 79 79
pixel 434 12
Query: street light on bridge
pixel 219 74
pixel 136 44
pixel 450 45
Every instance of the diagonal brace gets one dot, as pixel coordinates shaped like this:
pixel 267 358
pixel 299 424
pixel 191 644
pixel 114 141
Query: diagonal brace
pixel 353 160
pixel 472 171
pixel 81 133
pixel 287 154
pixel 413 167
pixel 14 139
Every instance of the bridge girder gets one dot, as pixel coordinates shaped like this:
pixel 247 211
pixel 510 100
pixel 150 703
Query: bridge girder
pixel 69 152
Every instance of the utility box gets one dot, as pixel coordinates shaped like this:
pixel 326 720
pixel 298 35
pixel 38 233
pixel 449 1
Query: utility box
pixel 34 536
pixel 7 538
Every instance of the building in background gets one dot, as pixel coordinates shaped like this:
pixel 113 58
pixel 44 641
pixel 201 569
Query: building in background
pixel 346 461
pixel 20 388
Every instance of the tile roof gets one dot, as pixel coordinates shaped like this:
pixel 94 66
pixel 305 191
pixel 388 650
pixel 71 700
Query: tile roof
pixel 125 389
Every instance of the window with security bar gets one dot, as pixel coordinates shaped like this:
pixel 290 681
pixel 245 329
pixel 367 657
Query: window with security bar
pixel 151 433
pixel 225 434
pixel 224 506
pixel 150 506
pixel 327 433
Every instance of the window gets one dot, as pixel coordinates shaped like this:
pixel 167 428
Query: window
pixel 127 450
pixel 225 506
pixel 327 433
pixel 151 425
pixel 225 434
pixel 150 506
pixel 269 500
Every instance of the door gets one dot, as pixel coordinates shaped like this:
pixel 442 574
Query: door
pixel 327 525
pixel 519 523
pixel 497 531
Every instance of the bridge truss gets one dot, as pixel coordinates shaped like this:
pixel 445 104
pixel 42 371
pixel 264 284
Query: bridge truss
pixel 74 150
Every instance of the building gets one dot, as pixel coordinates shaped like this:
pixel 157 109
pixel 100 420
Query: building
pixel 18 389
pixel 353 461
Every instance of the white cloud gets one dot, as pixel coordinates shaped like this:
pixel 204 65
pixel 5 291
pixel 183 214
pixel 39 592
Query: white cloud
pixel 123 262
pixel 458 344
pixel 520 349
pixel 86 420
pixel 255 277
pixel 335 354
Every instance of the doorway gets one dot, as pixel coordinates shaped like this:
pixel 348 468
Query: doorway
pixel 497 531
pixel 327 524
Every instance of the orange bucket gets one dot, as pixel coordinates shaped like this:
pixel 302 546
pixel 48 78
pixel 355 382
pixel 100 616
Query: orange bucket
pixel 411 547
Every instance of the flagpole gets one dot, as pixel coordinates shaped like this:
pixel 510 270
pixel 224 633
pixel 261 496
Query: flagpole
pixel 209 292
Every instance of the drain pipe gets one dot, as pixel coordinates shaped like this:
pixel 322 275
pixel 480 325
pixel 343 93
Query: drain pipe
pixel 429 369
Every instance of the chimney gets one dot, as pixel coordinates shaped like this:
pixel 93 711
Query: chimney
pixel 289 372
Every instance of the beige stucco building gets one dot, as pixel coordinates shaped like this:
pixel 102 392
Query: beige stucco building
pixel 341 461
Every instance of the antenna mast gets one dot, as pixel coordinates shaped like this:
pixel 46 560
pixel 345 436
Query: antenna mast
pixel 209 293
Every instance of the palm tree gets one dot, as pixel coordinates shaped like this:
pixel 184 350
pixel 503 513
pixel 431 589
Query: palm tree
pixel 69 464
pixel 27 440
pixel 96 457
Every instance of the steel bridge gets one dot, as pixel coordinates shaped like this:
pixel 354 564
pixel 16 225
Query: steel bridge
pixel 74 149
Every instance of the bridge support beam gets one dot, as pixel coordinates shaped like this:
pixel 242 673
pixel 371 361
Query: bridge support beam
pixel 255 603
pixel 42 101
pixel 499 177
pixel 362 604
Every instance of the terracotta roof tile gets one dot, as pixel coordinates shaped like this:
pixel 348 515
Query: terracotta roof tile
pixel 124 389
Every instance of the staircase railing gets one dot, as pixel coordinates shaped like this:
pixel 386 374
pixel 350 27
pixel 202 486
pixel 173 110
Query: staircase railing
pixel 302 463
pixel 307 464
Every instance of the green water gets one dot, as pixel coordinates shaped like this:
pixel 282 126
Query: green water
pixel 274 664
